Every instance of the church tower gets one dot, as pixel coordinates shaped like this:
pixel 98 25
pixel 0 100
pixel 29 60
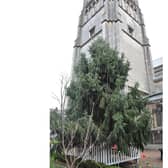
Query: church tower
pixel 121 24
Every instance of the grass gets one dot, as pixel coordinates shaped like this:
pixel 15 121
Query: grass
pixel 56 164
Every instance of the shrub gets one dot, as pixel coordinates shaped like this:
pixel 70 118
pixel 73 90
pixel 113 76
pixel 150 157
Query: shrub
pixel 93 164
pixel 90 164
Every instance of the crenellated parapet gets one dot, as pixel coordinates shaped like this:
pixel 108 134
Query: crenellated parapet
pixel 91 7
pixel 131 8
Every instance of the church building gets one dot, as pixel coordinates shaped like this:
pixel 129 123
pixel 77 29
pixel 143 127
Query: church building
pixel 120 23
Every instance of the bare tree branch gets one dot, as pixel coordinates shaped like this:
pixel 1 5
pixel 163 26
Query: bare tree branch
pixel 68 148
pixel 54 96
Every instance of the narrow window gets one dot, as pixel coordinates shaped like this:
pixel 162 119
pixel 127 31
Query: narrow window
pixel 92 31
pixel 86 11
pixel 130 30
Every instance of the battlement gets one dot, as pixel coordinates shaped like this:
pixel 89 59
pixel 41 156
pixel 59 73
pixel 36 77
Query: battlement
pixel 91 4
pixel 90 8
pixel 88 4
pixel 131 8
pixel 129 4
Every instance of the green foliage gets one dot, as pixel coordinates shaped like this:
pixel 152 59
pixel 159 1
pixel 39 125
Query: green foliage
pixel 93 164
pixel 55 119
pixel 52 164
pixel 89 164
pixel 100 79
pixel 55 128
pixel 77 129
pixel 96 79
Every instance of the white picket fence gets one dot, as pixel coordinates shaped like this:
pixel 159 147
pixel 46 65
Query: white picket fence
pixel 108 156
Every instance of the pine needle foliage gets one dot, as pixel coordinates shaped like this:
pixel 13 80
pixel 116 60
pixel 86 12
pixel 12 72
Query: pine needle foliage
pixel 100 79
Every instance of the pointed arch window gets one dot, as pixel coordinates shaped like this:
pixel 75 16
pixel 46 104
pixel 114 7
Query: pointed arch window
pixel 130 30
pixel 92 32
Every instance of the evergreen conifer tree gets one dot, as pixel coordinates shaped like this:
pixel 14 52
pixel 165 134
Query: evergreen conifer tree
pixel 100 79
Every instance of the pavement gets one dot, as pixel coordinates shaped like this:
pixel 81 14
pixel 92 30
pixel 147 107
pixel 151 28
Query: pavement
pixel 150 159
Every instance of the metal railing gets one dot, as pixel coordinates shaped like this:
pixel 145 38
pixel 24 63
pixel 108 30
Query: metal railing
pixel 108 156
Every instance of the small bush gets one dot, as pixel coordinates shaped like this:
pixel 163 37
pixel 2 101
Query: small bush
pixel 93 164
pixel 89 164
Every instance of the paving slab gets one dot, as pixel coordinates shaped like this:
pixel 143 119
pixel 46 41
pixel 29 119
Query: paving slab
pixel 151 159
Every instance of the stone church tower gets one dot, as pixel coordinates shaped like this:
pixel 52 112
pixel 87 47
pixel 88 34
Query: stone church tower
pixel 121 24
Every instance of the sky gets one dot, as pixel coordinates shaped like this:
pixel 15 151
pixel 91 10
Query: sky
pixel 154 15
pixel 36 47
